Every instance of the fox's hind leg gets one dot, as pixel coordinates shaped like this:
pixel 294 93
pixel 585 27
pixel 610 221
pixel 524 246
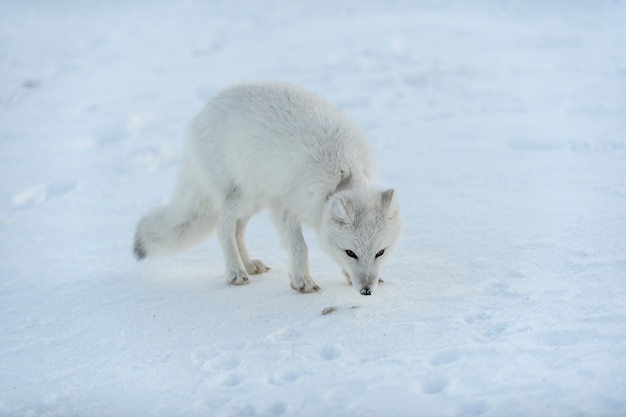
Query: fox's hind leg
pixel 253 266
pixel 227 234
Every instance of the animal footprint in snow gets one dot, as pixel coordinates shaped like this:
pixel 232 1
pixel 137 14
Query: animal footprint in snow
pixel 40 194
pixel 202 354
pixel 286 334
pixel 224 380
pixel 562 337
pixel 330 352
pixel 477 317
pixel 230 380
pixel 446 357
pixel 136 123
pixel 220 371
pixel 434 384
pixel 496 330
pixel 284 377
pixel 496 288
pixel 219 364
pixel 149 160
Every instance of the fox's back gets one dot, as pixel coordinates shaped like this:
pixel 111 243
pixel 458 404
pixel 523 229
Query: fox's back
pixel 279 144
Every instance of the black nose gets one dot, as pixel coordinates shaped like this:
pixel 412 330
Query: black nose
pixel 366 291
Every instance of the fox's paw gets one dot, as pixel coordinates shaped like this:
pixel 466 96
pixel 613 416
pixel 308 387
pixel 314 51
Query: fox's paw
pixel 304 284
pixel 255 267
pixel 237 278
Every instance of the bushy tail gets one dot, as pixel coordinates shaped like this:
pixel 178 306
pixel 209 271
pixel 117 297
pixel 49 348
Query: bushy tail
pixel 174 227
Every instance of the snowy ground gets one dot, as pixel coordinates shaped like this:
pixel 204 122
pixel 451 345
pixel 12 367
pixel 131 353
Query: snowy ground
pixel 501 125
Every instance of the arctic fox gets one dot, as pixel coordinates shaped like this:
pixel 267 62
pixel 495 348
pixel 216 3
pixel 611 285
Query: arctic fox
pixel 274 145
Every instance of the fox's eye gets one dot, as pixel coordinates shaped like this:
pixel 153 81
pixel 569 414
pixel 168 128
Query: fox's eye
pixel 351 254
pixel 380 253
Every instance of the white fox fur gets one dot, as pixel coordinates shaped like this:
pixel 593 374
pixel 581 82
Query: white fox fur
pixel 273 145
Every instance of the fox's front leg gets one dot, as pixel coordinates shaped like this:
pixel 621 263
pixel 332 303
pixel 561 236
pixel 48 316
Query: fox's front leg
pixel 291 233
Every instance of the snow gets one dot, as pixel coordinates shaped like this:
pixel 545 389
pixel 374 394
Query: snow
pixel 501 125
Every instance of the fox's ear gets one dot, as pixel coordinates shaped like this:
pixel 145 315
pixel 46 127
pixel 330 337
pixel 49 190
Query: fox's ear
pixel 341 210
pixel 390 203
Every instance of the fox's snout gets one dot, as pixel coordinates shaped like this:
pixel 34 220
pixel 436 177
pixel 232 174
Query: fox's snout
pixel 367 283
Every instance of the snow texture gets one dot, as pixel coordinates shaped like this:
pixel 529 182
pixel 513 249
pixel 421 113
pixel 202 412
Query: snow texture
pixel 502 126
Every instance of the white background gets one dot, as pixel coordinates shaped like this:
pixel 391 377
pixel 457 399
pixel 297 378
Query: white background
pixel 502 126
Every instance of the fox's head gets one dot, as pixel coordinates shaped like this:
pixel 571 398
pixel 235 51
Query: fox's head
pixel 359 228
